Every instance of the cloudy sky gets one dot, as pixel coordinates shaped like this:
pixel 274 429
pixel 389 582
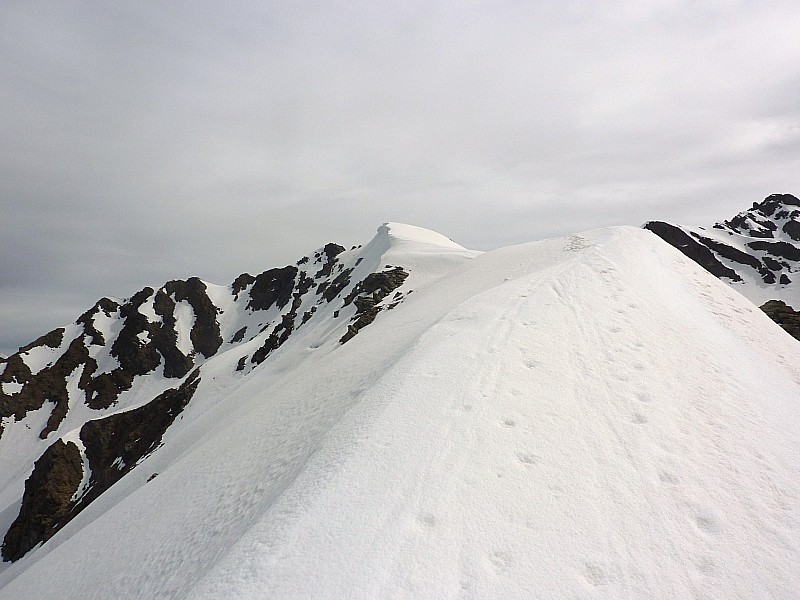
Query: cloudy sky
pixel 147 141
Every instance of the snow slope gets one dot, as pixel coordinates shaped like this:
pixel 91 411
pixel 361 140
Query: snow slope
pixel 756 251
pixel 590 416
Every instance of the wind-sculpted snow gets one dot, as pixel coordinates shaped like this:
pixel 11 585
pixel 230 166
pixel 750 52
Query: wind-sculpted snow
pixel 591 416
pixel 122 359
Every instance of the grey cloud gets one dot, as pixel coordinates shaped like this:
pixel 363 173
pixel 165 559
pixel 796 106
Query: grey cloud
pixel 147 141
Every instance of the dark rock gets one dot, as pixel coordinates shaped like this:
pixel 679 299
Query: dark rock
pixel 276 339
pixel 367 295
pixel 51 340
pixel 784 315
pixel 792 229
pixel 47 501
pixel 691 248
pixel 134 356
pixel 114 446
pixel 165 338
pixel 104 389
pixel 330 251
pixel 108 307
pixel 738 256
pixel 272 288
pixel 49 384
pixel 330 290
pixel 205 334
pixel 239 335
pixel 117 443
pixel 782 249
pixel 772 264
pixel 241 283
pixel 762 213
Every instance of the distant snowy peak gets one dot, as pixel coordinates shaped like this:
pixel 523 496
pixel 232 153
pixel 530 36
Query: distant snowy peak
pixel 757 251
pixel 400 233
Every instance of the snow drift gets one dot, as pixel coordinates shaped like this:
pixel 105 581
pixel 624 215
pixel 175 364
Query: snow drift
pixel 591 416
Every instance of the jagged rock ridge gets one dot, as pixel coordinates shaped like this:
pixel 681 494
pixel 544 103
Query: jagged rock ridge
pixel 88 376
pixel 757 251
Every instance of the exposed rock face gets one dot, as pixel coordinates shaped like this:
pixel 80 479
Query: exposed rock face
pixel 367 297
pixel 784 315
pixel 48 384
pixel 106 357
pixel 47 503
pixel 117 443
pixel 693 249
pixel 272 288
pixel 114 446
pixel 765 218
pixel 205 334
pixel 757 245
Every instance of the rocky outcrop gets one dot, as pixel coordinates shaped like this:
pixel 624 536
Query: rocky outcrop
pixel 205 334
pixel 784 315
pixel 48 384
pixel 699 253
pixel 368 295
pixel 757 245
pixel 114 445
pixel 117 443
pixel 272 288
pixel 47 503
pixel 165 333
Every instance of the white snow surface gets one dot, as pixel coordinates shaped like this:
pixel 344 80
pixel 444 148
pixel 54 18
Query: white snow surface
pixel 593 416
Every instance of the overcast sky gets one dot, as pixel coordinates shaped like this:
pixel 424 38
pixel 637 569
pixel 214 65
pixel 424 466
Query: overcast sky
pixel 147 141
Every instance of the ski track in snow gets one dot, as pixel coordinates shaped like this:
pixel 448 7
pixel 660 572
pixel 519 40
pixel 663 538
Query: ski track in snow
pixel 587 417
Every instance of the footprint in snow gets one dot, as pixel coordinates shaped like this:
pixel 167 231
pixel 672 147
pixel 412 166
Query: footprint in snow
pixel 667 478
pixel 427 519
pixel 639 419
pixel 595 573
pixel 706 565
pixel 501 561
pixel 509 423
pixel 528 458
pixel 706 522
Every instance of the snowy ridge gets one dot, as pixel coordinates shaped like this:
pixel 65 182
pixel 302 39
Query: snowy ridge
pixel 757 251
pixel 578 417
pixel 143 358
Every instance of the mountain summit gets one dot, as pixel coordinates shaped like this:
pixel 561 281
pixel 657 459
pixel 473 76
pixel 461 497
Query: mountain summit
pixel 757 251
pixel 589 415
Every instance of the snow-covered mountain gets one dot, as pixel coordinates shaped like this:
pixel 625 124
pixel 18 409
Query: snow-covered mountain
pixel 757 251
pixel 592 416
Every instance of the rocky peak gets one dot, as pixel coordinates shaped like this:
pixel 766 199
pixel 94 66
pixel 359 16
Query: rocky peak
pixel 776 214
pixel 104 376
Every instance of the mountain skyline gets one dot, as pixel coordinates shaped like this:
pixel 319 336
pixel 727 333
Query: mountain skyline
pixel 415 419
pixel 36 330
pixel 144 143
